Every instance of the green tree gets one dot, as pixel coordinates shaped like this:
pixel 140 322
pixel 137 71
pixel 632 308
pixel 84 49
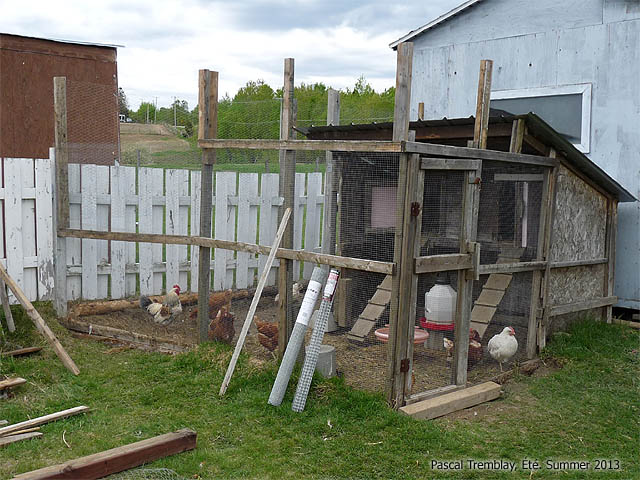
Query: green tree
pixel 123 103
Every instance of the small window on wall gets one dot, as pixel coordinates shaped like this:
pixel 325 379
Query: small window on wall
pixel 566 108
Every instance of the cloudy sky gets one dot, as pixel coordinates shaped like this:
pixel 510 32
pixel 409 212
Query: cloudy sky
pixel 165 42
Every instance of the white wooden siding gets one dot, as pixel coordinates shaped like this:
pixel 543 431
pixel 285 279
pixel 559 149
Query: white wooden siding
pixel 149 201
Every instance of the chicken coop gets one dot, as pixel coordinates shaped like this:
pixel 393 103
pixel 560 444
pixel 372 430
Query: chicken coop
pixel 446 232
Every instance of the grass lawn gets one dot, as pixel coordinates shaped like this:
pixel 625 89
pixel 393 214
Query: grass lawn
pixel 585 411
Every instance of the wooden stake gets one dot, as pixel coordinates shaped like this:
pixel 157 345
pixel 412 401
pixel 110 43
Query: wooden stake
pixel 207 128
pixel 34 422
pixel 39 322
pixel 254 302
pixel 421 111
pixel 103 464
pixel 483 105
pixel 6 307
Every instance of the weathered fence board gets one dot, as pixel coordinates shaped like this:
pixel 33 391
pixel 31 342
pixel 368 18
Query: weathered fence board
pixel 146 200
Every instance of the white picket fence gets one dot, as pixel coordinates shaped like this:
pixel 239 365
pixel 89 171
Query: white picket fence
pixel 149 200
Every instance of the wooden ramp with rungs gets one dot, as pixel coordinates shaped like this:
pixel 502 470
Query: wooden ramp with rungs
pixel 372 312
pixel 452 402
pixel 493 291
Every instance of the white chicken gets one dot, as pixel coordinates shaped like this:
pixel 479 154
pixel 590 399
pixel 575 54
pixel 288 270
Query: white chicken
pixel 503 346
pixel 163 312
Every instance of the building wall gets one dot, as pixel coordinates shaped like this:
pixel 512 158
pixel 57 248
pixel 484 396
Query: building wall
pixel 27 68
pixel 547 44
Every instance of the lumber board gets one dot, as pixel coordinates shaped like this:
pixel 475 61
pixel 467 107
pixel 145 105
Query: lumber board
pixel 428 163
pixel 39 322
pixel 293 145
pixel 334 260
pixel 118 459
pixel 441 263
pixel 453 401
pixel 11 383
pixel 9 439
pixel 498 281
pixel 381 297
pixel 386 283
pixel 34 422
pixel 512 267
pixel 20 351
pixel 373 312
pixel 627 323
pixel 482 314
pixel 583 305
pixel 8 316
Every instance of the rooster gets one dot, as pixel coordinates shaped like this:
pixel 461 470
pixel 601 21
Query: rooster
pixel 216 301
pixel 163 313
pixel 221 327
pixel 475 348
pixel 503 346
pixel 267 334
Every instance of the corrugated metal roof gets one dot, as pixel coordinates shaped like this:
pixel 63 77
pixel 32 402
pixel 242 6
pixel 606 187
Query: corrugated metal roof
pixel 74 42
pixel 537 126
pixel 437 21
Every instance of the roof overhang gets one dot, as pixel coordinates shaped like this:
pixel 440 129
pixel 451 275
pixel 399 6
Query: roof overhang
pixel 59 40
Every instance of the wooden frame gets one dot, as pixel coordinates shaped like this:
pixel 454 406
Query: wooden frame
pixel 449 164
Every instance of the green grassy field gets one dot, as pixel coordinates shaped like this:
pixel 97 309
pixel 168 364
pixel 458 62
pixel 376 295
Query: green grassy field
pixel 587 410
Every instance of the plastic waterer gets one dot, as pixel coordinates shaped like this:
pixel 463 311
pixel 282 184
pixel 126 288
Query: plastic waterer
pixel 440 313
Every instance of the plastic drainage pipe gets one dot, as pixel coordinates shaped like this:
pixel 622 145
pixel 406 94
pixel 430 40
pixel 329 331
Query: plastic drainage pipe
pixel 318 277
pixel 313 350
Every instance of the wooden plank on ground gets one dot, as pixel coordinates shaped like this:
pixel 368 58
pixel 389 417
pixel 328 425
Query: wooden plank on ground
pixel 11 383
pixel 490 298
pixel 498 281
pixel 118 459
pixel 34 422
pixel 20 351
pixel 4 441
pixel 452 402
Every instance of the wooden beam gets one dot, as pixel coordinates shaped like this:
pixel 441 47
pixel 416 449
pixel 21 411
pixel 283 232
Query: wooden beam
pixel 518 177
pixel 627 323
pixel 34 422
pixel 20 351
pixel 330 181
pixel 207 128
pixel 8 316
pixel 39 322
pixel 334 260
pixel 118 459
pixel 421 111
pixel 582 305
pixel 467 152
pixel 61 192
pixel 436 392
pixel 9 439
pixel 441 263
pixel 536 144
pixel 333 145
pixel 483 101
pixel 449 164
pixel 610 250
pixel 517 136
pixel 453 401
pixel 578 263
pixel 408 169
pixel 512 267
pixel 254 302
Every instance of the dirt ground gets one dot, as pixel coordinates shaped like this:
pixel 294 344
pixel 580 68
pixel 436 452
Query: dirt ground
pixel 363 366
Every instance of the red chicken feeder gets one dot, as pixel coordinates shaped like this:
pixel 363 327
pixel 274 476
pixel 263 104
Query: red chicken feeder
pixel 419 335
pixel 437 333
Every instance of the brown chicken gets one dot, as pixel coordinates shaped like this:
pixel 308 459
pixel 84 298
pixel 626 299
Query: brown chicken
pixel 221 327
pixel 267 334
pixel 216 300
pixel 475 348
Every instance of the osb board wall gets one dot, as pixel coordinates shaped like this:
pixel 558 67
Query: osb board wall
pixel 580 220
pixel 573 284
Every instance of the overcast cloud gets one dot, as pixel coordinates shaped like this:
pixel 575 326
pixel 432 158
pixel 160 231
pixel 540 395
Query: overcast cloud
pixel 166 42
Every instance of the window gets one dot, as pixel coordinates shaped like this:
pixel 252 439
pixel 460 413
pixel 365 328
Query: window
pixel 566 108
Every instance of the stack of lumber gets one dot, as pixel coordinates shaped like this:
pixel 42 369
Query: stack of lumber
pixel 29 428
pixel 486 305
pixel 372 312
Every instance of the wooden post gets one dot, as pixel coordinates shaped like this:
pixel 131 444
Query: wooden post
pixel 397 359
pixel 610 253
pixel 483 105
pixel 330 183
pixel 287 191
pixel 548 242
pixel 421 111
pixel 42 327
pixel 61 189
pixel 468 232
pixel 207 128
